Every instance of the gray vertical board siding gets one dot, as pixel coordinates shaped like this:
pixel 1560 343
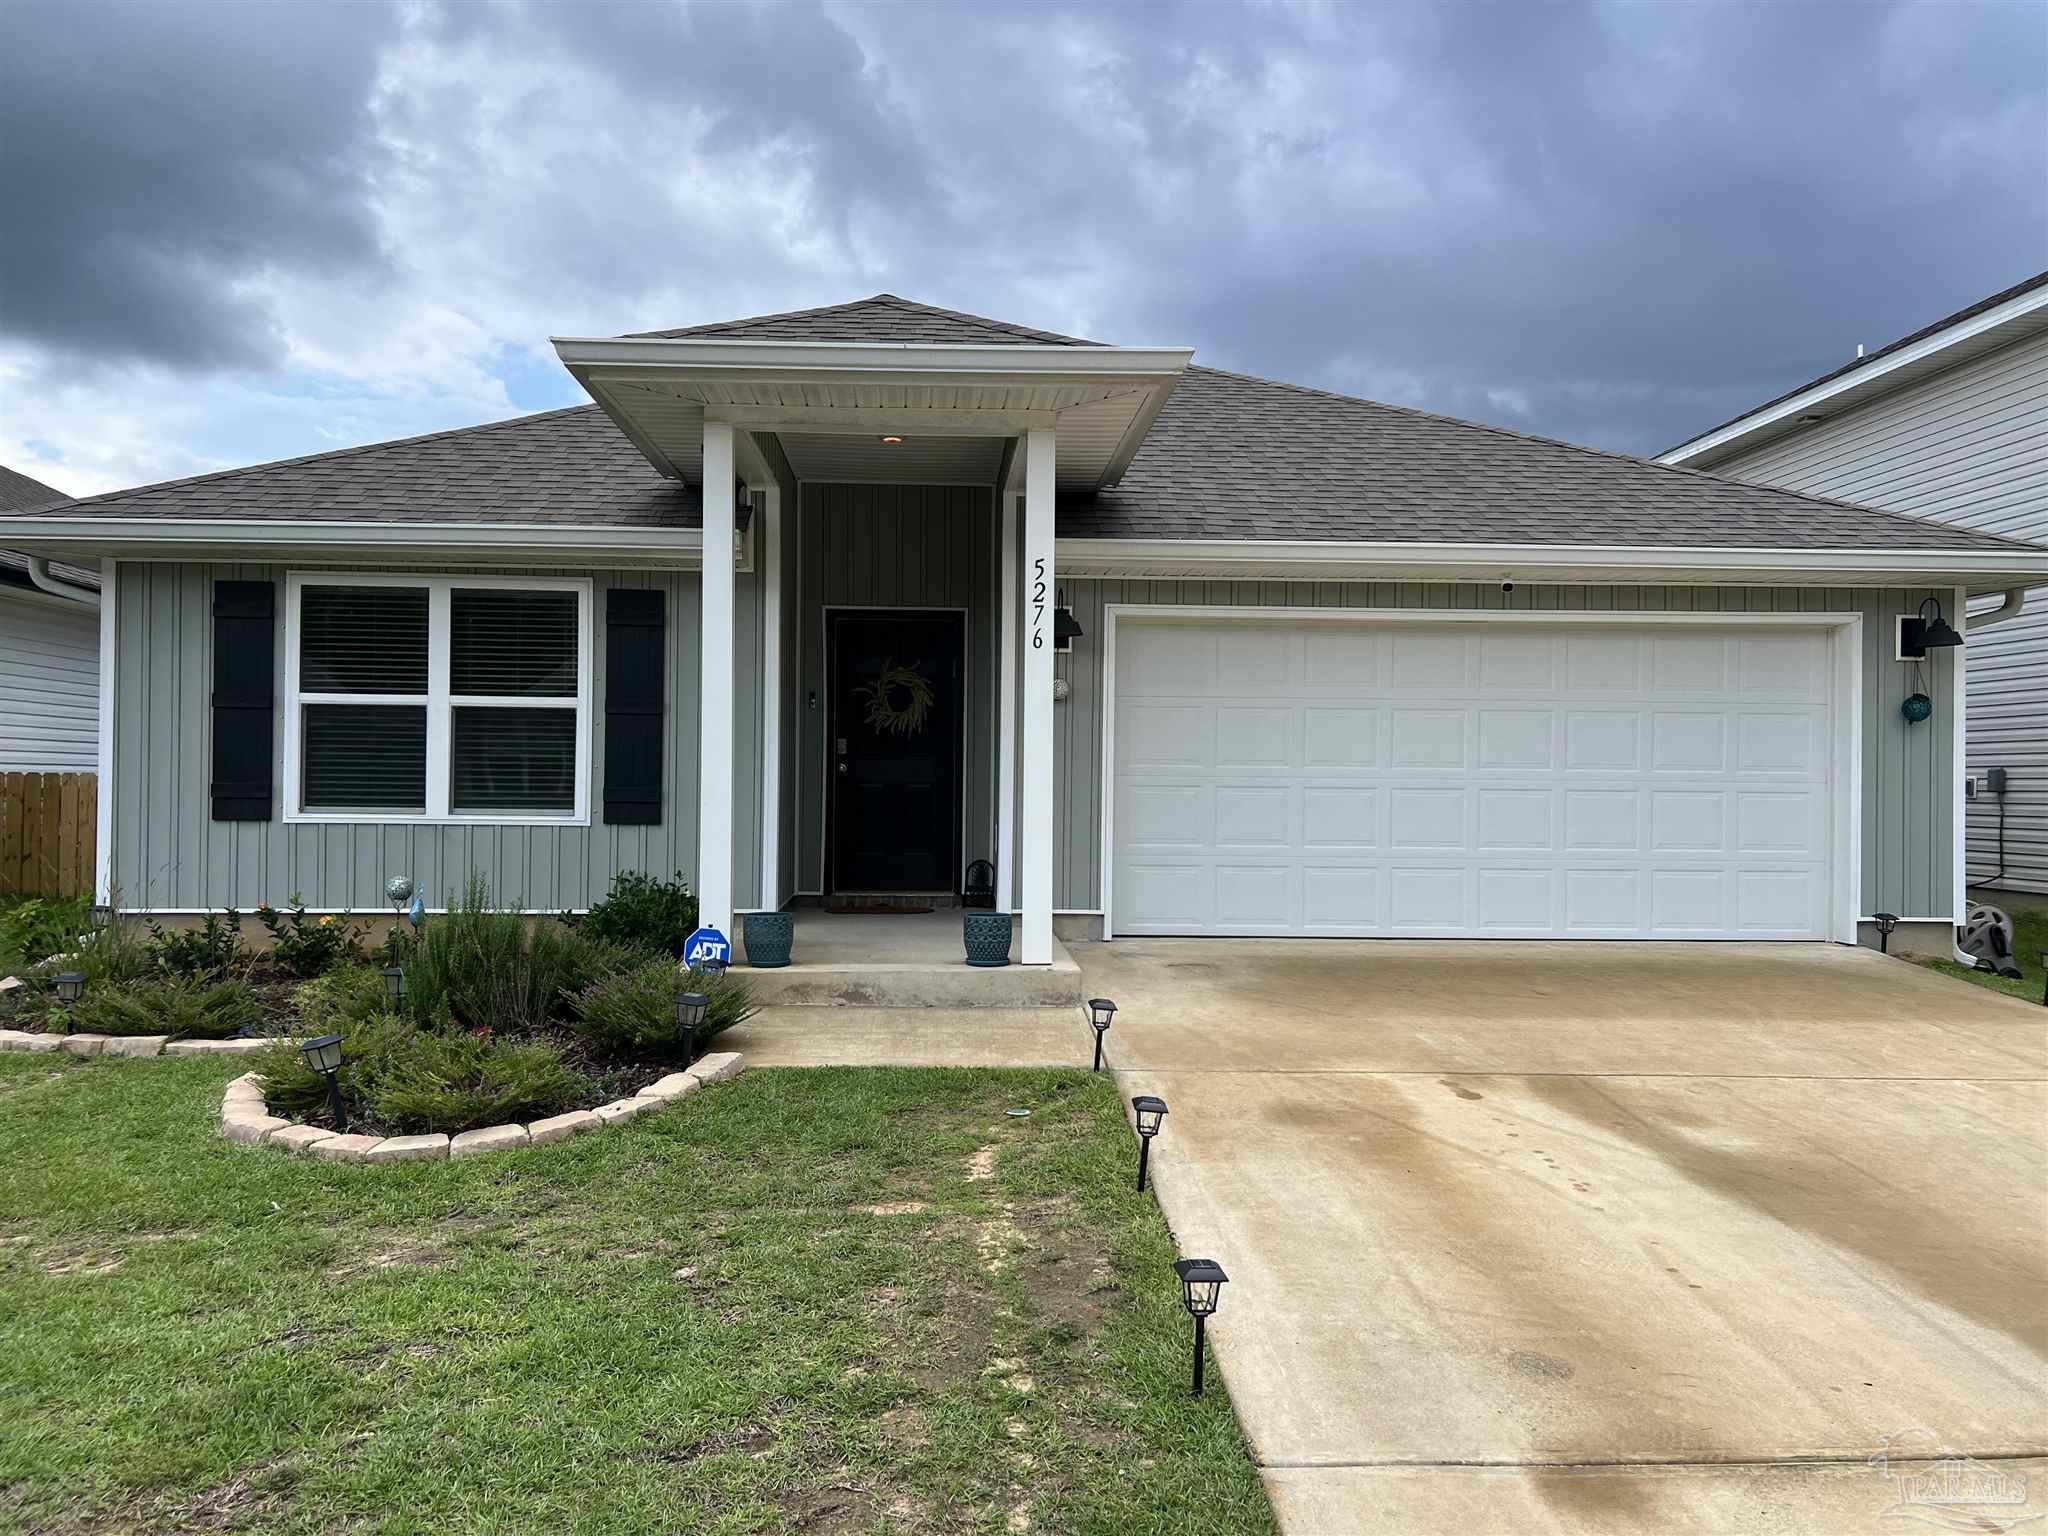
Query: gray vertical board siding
pixel 49 685
pixel 1968 447
pixel 168 854
pixel 894 546
pixel 1908 770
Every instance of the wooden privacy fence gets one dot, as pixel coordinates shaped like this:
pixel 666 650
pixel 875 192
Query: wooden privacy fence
pixel 47 827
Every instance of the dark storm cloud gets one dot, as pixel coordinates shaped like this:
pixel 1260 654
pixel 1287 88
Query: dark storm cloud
pixel 157 159
pixel 1611 222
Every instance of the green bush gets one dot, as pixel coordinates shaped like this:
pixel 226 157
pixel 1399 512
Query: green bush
pixel 112 956
pixel 38 927
pixel 328 1004
pixel 631 1013
pixel 399 1079
pixel 476 966
pixel 182 1009
pixel 641 912
pixel 310 946
pixel 204 953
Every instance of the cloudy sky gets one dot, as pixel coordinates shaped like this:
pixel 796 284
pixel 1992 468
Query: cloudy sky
pixel 231 231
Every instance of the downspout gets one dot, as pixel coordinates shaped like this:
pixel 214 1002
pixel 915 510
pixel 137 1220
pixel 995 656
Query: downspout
pixel 39 574
pixel 2015 600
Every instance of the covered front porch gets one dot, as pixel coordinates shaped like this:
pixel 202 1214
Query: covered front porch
pixel 876 672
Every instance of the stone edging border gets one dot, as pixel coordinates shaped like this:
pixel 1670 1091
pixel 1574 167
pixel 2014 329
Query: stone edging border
pixel 130 1045
pixel 245 1118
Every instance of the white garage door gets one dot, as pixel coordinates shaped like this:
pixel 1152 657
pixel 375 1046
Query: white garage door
pixel 1471 779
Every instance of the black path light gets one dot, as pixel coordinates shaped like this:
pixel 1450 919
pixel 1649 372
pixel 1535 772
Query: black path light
pixel 1101 1013
pixel 713 967
pixel 1884 923
pixel 1201 1283
pixel 323 1054
pixel 690 1009
pixel 1149 1111
pixel 394 986
pixel 69 985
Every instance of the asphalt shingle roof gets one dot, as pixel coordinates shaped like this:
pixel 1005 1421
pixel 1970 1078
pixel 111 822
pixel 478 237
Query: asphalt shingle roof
pixel 19 493
pixel 1230 457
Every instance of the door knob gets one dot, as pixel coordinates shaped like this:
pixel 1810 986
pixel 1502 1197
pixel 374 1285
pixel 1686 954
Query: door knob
pixel 842 767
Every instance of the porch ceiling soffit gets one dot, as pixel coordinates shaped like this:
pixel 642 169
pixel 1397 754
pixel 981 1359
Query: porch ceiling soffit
pixel 1101 400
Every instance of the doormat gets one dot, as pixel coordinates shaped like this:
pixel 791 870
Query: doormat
pixel 854 904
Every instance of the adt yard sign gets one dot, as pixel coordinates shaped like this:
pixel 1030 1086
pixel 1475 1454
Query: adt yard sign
pixel 707 944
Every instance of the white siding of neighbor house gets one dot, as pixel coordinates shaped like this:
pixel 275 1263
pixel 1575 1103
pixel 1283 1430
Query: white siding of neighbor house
pixel 169 855
pixel 49 685
pixel 1968 447
pixel 1908 770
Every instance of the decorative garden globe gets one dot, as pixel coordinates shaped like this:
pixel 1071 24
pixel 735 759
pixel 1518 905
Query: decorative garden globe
pixel 398 890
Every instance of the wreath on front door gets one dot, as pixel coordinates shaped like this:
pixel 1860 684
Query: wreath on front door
pixel 898 700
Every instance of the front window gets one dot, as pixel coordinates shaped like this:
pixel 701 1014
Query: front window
pixel 439 698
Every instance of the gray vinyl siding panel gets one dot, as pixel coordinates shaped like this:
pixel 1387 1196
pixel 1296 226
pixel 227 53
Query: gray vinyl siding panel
pixel 1908 770
pixel 169 855
pixel 49 686
pixel 895 546
pixel 1967 447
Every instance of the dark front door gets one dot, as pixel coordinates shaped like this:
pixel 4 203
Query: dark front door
pixel 893 751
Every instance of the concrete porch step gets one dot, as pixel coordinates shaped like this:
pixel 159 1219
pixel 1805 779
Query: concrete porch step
pixel 902 960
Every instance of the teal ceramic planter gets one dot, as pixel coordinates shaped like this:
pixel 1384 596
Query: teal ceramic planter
pixel 767 936
pixel 987 936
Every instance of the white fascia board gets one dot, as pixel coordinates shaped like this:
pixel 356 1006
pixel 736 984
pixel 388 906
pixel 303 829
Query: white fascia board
pixel 1395 560
pixel 1860 379
pixel 941 360
pixel 219 537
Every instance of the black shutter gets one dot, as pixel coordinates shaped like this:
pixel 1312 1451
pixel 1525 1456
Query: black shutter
pixel 635 643
pixel 244 698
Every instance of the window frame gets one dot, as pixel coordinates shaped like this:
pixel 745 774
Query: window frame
pixel 439 702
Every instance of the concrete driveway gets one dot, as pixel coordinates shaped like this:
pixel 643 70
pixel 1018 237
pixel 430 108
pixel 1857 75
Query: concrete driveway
pixel 1536 1237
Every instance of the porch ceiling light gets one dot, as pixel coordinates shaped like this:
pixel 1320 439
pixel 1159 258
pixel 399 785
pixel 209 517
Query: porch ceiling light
pixel 892 440
pixel 1927 631
pixel 69 985
pixel 1101 1012
pixel 1201 1284
pixel 1149 1112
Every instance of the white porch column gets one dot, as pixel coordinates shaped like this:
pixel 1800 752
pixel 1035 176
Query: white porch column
pixel 1006 710
pixel 768 571
pixel 714 726
pixel 1035 832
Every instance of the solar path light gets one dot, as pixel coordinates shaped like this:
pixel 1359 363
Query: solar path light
pixel 1201 1284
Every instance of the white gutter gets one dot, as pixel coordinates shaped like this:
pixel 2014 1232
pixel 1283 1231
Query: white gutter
pixel 2015 601
pixel 1858 378
pixel 178 538
pixel 39 573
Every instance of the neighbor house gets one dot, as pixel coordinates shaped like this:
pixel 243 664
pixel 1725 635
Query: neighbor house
pixel 1949 423
pixel 49 651
pixel 838 603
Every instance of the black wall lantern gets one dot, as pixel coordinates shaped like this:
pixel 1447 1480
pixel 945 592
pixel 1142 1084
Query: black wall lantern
pixel 1148 1111
pixel 1884 923
pixel 1101 1011
pixel 323 1054
pixel 1926 631
pixel 690 1008
pixel 1065 628
pixel 1201 1284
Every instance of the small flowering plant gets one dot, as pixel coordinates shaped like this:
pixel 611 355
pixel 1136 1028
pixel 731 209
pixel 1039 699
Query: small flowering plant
pixel 311 946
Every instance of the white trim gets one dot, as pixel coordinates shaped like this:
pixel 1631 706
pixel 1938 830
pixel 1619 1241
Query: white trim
pixel 1039 361
pixel 769 521
pixel 1038 582
pixel 1006 761
pixel 103 786
pixel 715 732
pixel 1959 746
pixel 1872 372
pixel 1323 560
pixel 554 544
pixel 1844 706
pixel 437 700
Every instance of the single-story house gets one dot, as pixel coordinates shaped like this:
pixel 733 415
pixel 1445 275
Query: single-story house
pixel 49 651
pixel 845 601
pixel 1949 423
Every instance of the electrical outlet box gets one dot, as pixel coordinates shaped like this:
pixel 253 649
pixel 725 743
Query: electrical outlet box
pixel 1972 786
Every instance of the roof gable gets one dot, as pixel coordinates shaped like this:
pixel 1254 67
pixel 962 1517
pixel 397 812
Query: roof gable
pixel 884 317
pixel 18 493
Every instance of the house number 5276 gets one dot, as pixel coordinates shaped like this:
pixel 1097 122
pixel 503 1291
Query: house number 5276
pixel 1038 604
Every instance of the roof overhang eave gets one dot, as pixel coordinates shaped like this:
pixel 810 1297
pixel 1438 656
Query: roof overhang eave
pixel 1314 560
pixel 359 541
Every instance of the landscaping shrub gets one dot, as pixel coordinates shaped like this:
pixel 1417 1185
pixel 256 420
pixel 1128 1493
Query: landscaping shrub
pixel 328 1004
pixel 641 912
pixel 310 946
pixel 369 1046
pixel 38 927
pixel 631 1013
pixel 475 965
pixel 207 952
pixel 183 1009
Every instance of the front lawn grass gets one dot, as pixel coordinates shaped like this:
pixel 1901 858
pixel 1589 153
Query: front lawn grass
pixel 2030 937
pixel 836 1300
